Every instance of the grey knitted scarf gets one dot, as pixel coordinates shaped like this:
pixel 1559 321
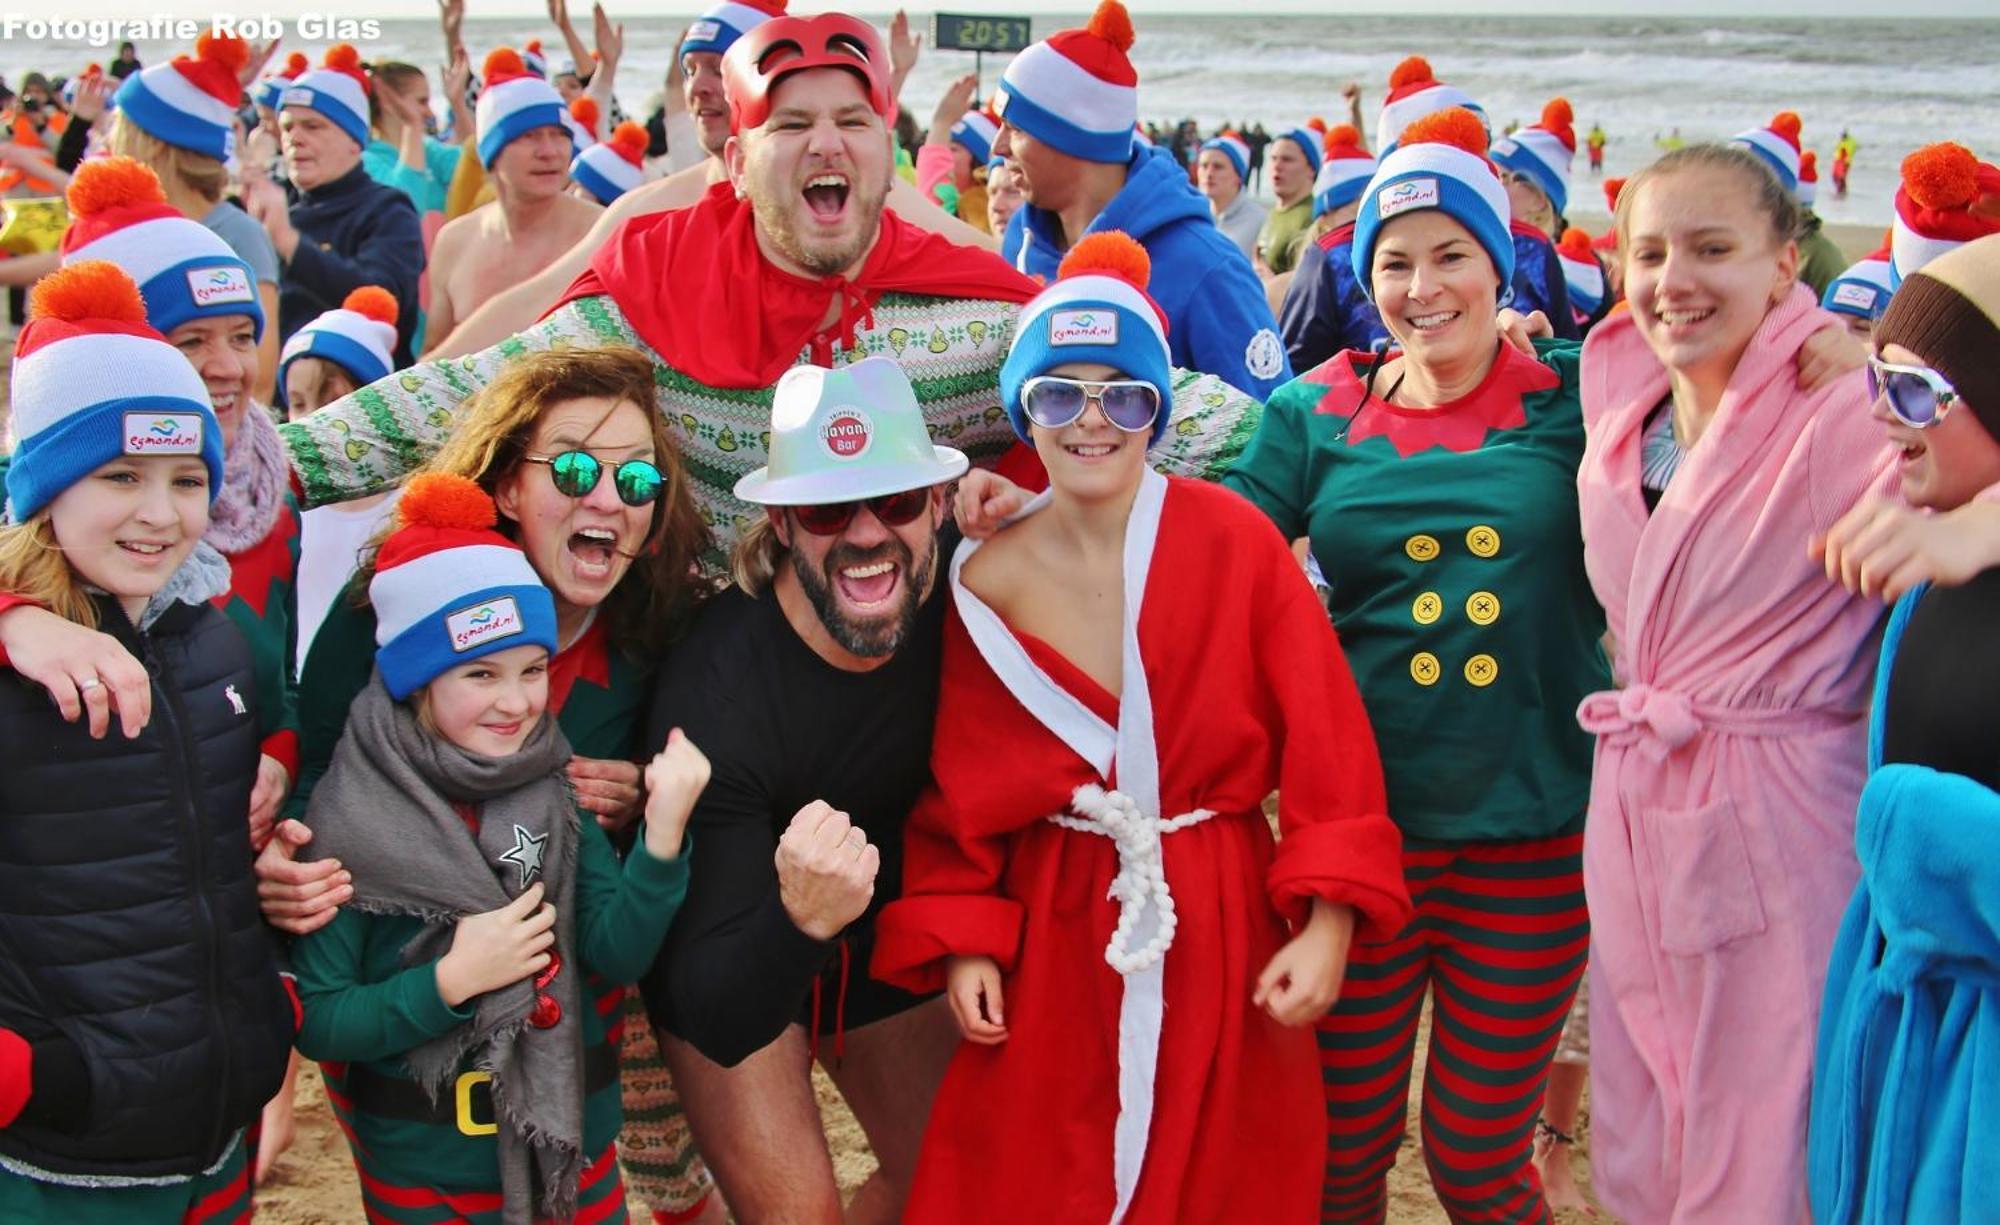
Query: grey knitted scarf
pixel 385 811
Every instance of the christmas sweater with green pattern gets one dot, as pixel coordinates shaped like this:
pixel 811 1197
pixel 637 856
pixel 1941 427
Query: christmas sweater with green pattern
pixel 951 348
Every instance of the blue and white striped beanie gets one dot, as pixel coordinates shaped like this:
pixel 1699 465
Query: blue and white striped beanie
pixel 1777 145
pixel 611 168
pixel 270 91
pixel 190 103
pixel 1440 164
pixel 720 25
pixel 338 89
pixel 119 213
pixel 1864 289
pixel 1543 152
pixel 1233 147
pixel 977 130
pixel 359 337
pixel 1415 91
pixel 92 381
pixel 1345 172
pixel 512 103
pixel 1077 91
pixel 1311 141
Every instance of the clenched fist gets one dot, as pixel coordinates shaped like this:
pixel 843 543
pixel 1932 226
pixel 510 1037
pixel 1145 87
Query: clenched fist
pixel 674 781
pixel 826 870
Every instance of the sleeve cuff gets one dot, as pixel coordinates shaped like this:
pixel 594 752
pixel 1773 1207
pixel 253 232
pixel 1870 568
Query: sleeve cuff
pixel 915 935
pixel 660 878
pixel 431 1012
pixel 1356 861
pixel 282 746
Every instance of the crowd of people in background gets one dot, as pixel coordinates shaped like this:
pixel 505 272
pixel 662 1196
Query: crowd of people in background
pixel 569 620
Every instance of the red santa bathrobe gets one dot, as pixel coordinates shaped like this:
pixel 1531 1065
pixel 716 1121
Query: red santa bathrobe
pixel 1113 856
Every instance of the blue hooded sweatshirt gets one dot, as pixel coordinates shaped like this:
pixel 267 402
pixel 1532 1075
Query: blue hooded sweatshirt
pixel 1218 319
pixel 1326 311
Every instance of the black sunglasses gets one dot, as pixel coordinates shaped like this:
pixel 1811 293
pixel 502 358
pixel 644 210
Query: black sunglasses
pixel 576 473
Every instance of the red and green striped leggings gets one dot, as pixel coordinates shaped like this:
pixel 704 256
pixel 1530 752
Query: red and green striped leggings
pixel 1500 937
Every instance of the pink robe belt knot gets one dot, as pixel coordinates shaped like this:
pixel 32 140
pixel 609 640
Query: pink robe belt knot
pixel 1659 721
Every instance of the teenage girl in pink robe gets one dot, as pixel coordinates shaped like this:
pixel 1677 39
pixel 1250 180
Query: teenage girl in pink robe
pixel 1718 853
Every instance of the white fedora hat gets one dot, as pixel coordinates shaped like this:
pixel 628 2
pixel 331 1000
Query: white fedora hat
pixel 847 434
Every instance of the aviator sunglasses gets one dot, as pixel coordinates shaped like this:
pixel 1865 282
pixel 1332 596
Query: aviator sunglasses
pixel 1917 396
pixel 576 473
pixel 893 509
pixel 1052 401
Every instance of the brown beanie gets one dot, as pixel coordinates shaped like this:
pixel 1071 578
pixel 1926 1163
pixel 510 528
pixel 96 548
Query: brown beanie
pixel 1949 315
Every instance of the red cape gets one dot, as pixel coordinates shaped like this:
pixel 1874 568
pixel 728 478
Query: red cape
pixel 696 288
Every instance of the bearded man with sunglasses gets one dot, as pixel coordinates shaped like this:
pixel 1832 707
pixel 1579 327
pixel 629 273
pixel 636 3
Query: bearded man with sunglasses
pixel 810 686
pixel 795 260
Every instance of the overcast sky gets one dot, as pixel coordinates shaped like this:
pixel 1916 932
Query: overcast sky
pixel 291 9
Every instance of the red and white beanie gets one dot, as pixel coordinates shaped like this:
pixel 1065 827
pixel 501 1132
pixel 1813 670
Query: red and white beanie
pixel 92 381
pixel 119 212
pixel 1415 91
pixel 1076 91
pixel 586 117
pixel 534 59
pixel 1582 272
pixel 611 168
pixel 270 91
pixel 1098 309
pixel 1777 143
pixel 360 338
pixel 337 89
pixel 1543 152
pixel 513 102
pixel 190 103
pixel 1948 197
pixel 1808 178
pixel 449 589
pixel 1344 170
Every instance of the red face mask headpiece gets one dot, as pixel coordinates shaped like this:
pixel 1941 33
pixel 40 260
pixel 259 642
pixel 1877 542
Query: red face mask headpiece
pixel 756 62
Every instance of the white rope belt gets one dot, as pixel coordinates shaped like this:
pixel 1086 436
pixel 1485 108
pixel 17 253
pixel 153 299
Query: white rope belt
pixel 1140 886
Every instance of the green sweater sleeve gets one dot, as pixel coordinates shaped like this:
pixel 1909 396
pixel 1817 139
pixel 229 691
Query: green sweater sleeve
pixel 336 671
pixel 623 912
pixel 1208 426
pixel 367 442
pixel 1272 469
pixel 348 1017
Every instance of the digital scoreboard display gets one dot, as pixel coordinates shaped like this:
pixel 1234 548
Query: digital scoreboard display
pixel 966 32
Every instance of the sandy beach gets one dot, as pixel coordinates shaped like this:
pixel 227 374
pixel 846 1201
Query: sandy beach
pixel 314 1183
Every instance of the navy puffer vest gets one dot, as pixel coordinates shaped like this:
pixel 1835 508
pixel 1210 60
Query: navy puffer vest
pixel 126 890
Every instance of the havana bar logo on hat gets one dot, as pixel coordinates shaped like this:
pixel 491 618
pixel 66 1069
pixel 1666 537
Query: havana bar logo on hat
pixel 162 434
pixel 827 447
pixel 847 433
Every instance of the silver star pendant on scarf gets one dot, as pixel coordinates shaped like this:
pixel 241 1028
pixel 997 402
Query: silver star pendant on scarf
pixel 526 855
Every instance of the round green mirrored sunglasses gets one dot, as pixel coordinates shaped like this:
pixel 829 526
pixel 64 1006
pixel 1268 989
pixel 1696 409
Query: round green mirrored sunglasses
pixel 576 473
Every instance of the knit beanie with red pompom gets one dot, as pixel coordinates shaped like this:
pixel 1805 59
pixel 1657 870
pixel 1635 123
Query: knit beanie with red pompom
pixel 93 382
pixel 360 338
pixel 512 103
pixel 609 169
pixel 1076 91
pixel 1415 91
pixel 190 103
pixel 449 589
pixel 1948 198
pixel 338 89
pixel 1098 310
pixel 1439 163
pixel 1777 145
pixel 1543 152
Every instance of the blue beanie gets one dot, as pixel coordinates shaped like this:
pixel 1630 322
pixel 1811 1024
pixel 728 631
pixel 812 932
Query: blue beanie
pixel 1309 143
pixel 721 25
pixel 1425 174
pixel 1097 311
pixel 93 382
pixel 1231 146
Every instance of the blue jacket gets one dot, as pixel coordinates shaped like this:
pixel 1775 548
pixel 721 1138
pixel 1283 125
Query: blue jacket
pixel 1218 319
pixel 1905 1121
pixel 1326 310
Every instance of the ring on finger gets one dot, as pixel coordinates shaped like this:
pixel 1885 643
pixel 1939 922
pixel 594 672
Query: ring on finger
pixel 87 684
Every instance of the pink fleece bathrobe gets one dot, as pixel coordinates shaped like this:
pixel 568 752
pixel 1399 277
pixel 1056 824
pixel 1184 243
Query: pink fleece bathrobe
pixel 1719 850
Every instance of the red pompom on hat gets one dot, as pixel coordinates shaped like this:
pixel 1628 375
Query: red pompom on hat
pixel 373 302
pixel 1613 188
pixel 449 589
pixel 1948 197
pixel 296 64
pixel 1454 126
pixel 629 140
pixel 1078 88
pixel 93 381
pixel 583 109
pixel 1559 118
pixel 344 59
pixel 1415 91
pixel 1576 242
pixel 502 64
pixel 1343 141
pixel 190 102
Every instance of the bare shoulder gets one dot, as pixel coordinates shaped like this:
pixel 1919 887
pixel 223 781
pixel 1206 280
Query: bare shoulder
pixel 996 568
pixel 578 217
